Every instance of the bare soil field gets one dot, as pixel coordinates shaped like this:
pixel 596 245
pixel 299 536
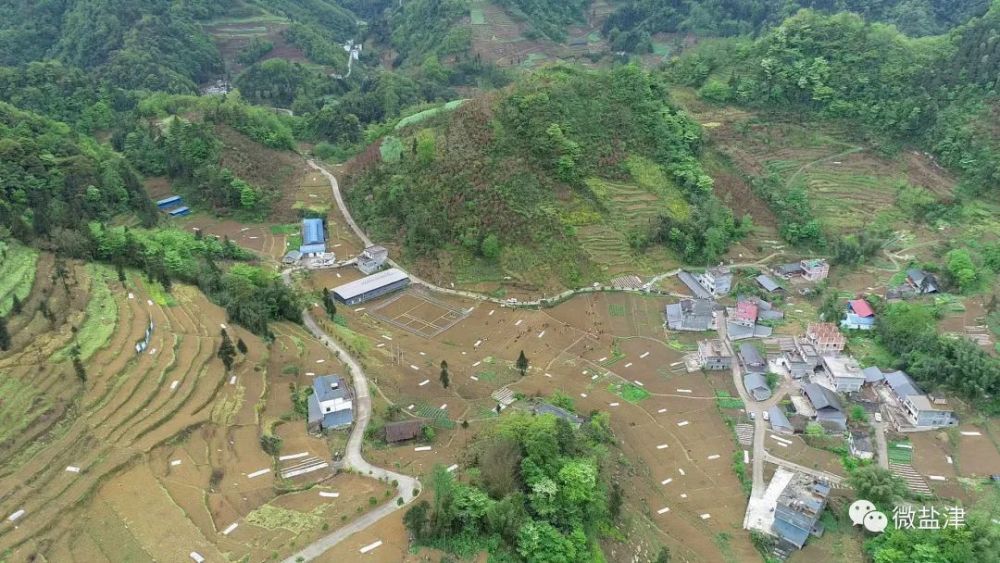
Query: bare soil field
pixel 586 347
pixel 977 454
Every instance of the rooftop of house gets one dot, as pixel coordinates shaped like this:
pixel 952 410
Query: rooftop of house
pixel 902 384
pixel 375 252
pixel 873 374
pixel 370 283
pixel 751 356
pixel 755 381
pixel 924 403
pixel 822 398
pixel 714 347
pixel 801 502
pixel 767 282
pixel 746 311
pixel 813 263
pixel 824 331
pixel 778 418
pixel 722 278
pixel 788 269
pixel 843 367
pixel 861 308
pixel 691 313
pixel 862 442
pixel 404 430
pixel 691 282
pixel 312 232
pixel 329 388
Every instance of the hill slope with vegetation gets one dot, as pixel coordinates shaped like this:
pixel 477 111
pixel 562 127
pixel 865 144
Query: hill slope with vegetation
pixel 517 178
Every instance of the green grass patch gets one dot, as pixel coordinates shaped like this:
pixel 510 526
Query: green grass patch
pixel 20 405
pixel 276 518
pixel 354 341
pixel 477 16
pixel 629 391
pixel 616 354
pixel 101 316
pixel 17 274
pixel 437 416
pixel 726 401
pixel 160 295
pixel 284 229
pixel 616 310
pixel 902 455
pixel 428 113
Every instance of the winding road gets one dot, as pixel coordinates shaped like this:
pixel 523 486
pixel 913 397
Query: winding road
pixel 406 485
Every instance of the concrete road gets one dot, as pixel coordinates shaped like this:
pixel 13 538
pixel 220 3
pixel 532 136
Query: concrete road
pixel 881 444
pixel 352 457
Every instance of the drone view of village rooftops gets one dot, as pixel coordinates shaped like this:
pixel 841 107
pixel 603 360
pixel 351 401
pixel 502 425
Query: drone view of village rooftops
pixel 540 281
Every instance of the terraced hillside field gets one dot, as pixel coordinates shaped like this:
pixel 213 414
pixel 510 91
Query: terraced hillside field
pixel 153 454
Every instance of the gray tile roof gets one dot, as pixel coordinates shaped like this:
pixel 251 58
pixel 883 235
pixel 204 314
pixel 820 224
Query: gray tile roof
pixel 330 387
pixel 688 279
pixel 822 398
pixel 901 383
pixel 767 283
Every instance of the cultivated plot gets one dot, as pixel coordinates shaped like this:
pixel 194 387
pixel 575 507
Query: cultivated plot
pixel 419 314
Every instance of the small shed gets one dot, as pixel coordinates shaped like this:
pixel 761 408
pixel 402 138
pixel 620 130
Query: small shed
pixel 768 283
pixel 396 432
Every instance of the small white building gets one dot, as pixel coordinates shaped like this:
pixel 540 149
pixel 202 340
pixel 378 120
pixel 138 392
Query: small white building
pixel 372 259
pixel 842 374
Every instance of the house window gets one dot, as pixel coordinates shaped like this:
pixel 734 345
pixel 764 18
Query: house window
pixel 327 409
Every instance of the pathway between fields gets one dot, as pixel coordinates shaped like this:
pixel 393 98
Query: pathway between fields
pixel 352 458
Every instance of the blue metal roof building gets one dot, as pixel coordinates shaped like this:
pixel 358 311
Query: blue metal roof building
pixel 330 405
pixel 313 237
pixel 169 202
pixel 180 212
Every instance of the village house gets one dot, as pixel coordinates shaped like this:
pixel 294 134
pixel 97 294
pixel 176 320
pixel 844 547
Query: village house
pixel 691 315
pixel 860 315
pixel 768 284
pixel 372 259
pixel 717 281
pixel 826 338
pixel 779 421
pixel 815 269
pixel 921 282
pixel 800 358
pixel 313 238
pixel 715 355
pixel 692 283
pixel 752 359
pixel 920 410
pixel 826 403
pixel 841 374
pixel 756 385
pixel 330 405
pixel 797 513
pixel 860 444
pixel 812 270
pixel 742 320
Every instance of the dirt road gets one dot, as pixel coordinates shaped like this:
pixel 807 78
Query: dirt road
pixel 353 459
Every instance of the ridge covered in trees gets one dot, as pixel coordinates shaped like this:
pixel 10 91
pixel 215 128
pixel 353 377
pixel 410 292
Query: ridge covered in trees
pixel 519 170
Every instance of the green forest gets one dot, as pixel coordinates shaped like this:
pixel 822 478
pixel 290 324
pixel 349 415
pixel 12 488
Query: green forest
pixel 518 173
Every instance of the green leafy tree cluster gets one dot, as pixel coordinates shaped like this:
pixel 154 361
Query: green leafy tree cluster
pixel 539 497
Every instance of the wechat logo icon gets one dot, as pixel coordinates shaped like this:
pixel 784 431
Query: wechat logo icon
pixel 863 512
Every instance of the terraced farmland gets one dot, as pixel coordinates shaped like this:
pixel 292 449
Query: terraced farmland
pixel 153 454
pixel 17 273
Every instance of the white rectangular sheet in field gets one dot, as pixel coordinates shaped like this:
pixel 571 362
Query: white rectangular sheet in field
pixel 293 456
pixel 258 473
pixel 424 382
pixel 327 494
pixel 662 447
pixel 370 546
pixel 72 469
pixel 643 355
pixel 714 456
pixel 683 423
pixel 422 449
pixel 667 481
pixel 663 510
pixel 229 529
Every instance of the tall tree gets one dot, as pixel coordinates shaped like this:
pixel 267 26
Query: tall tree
pixel 15 305
pixel 522 363
pixel 241 346
pixel 227 353
pixel 4 335
pixel 445 377
pixel 328 304
pixel 877 485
